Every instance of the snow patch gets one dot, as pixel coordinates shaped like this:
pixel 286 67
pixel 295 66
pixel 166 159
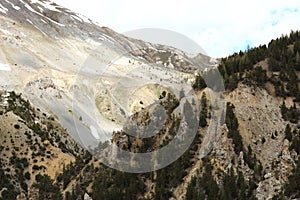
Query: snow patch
pixel 29 21
pixel 94 132
pixel 40 8
pixel 109 39
pixel 76 17
pixel 34 1
pixel 30 8
pixel 13 6
pixel 117 129
pixel 5 67
pixel 36 27
pixel 48 5
pixel 55 22
pixel 40 30
pixel 3 9
pixel 44 21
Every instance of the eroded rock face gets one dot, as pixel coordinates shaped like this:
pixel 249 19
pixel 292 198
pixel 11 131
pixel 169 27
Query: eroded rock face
pixel 276 177
pixel 44 87
pixel 65 63
pixel 260 121
pixel 262 128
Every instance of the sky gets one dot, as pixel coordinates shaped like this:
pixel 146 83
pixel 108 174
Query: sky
pixel 220 27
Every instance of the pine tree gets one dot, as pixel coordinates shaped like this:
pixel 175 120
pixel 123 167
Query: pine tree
pixel 288 133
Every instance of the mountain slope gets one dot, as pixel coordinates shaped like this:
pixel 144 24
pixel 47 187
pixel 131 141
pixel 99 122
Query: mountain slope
pixel 32 145
pixel 69 63
pixel 91 84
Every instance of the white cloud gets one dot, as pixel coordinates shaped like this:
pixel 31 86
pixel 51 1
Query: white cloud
pixel 220 27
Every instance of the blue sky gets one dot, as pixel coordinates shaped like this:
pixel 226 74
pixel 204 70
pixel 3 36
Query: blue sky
pixel 220 27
